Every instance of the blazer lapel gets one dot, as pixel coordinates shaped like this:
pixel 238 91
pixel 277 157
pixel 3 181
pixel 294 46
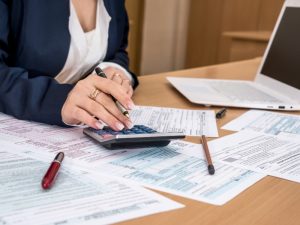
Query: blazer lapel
pixel 108 6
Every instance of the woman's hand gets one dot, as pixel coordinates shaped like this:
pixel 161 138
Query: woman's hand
pixel 119 77
pixel 91 98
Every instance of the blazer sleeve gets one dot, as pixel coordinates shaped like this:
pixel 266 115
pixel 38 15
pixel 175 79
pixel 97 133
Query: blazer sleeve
pixel 121 55
pixel 38 99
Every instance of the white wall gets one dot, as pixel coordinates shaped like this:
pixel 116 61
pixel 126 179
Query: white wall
pixel 164 35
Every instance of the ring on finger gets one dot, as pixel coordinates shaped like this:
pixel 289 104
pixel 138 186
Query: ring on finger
pixel 93 95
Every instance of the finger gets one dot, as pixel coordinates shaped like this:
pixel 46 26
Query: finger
pixel 107 102
pixel 114 89
pixel 127 85
pixel 84 90
pixel 109 72
pixel 130 91
pixel 121 74
pixel 117 78
pixel 86 118
pixel 100 112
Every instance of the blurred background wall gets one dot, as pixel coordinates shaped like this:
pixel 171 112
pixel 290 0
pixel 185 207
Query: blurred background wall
pixel 177 34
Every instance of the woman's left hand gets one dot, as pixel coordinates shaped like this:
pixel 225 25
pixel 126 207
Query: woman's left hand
pixel 119 77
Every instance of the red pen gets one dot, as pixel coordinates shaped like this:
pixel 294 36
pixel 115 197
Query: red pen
pixel 49 177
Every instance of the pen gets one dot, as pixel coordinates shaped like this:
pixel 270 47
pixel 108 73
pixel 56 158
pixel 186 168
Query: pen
pixel 100 73
pixel 51 173
pixel 221 113
pixel 210 166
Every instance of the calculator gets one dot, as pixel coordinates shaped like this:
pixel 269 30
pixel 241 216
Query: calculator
pixel 138 136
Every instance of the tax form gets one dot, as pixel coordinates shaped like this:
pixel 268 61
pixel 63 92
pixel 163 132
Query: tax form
pixel 173 169
pixel 167 170
pixel 190 122
pixel 52 139
pixel 75 198
pixel 264 153
pixel 267 122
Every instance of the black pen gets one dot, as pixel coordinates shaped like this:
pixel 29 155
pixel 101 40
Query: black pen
pixel 221 113
pixel 100 73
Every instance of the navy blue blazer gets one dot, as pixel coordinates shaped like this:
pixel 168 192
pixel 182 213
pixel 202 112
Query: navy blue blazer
pixel 34 45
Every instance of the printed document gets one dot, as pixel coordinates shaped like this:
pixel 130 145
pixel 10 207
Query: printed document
pixel 191 122
pixel 267 122
pixel 52 139
pixel 167 170
pixel 75 198
pixel 264 153
pixel 172 169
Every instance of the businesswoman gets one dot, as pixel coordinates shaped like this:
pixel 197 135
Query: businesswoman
pixel 48 49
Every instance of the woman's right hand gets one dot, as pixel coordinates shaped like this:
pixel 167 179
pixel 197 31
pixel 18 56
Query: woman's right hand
pixel 79 107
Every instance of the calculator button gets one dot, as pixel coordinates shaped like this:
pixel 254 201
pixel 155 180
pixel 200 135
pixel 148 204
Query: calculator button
pixel 140 132
pixel 127 132
pixel 134 129
pixel 151 131
pixel 137 129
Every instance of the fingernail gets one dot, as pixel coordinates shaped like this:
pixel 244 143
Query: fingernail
pixel 129 124
pixel 131 105
pixel 99 125
pixel 119 126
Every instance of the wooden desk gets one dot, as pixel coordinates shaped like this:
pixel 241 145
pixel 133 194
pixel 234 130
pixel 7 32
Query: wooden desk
pixel 271 201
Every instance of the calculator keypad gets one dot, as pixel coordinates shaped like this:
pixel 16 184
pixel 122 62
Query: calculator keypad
pixel 139 136
pixel 137 129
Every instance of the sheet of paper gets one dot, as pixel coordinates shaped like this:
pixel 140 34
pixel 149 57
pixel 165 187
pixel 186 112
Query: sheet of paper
pixel 75 198
pixel 53 139
pixel 191 122
pixel 166 169
pixel 267 122
pixel 264 153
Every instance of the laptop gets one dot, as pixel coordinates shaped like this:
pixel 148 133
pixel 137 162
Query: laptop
pixel 277 82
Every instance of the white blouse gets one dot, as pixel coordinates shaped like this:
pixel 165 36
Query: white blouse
pixel 87 49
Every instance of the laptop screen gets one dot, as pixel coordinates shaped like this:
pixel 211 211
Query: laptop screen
pixel 283 60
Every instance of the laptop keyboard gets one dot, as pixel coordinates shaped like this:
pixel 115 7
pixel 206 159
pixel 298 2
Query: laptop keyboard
pixel 242 92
